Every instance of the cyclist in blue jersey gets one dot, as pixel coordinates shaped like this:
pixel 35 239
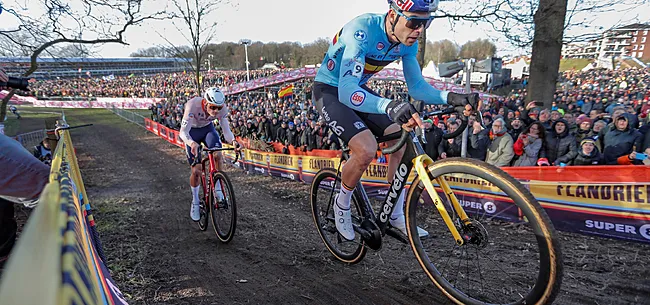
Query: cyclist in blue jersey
pixel 355 113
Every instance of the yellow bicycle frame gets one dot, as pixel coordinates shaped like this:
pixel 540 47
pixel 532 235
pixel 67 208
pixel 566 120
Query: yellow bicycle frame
pixel 421 164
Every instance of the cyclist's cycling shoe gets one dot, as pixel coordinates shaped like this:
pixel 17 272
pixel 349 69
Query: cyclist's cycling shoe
pixel 218 195
pixel 400 223
pixel 343 219
pixel 195 212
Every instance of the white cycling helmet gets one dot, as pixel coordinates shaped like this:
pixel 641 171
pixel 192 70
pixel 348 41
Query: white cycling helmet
pixel 214 96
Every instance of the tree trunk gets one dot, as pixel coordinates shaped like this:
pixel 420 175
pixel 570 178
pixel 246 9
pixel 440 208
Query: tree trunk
pixel 422 46
pixel 547 49
pixel 3 106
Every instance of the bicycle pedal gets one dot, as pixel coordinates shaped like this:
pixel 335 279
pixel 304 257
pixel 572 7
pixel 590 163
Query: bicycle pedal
pixel 397 234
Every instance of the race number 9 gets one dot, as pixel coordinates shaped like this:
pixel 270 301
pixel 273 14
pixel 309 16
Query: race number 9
pixel 357 69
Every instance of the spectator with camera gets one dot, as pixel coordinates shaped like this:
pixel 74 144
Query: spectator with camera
pixel 529 144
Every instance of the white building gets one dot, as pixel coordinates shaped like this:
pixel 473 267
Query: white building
pixel 519 67
pixel 612 43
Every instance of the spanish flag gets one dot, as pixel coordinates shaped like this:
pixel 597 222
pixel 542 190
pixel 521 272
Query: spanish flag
pixel 286 91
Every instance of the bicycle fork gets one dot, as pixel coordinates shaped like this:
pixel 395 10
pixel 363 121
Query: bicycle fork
pixel 421 164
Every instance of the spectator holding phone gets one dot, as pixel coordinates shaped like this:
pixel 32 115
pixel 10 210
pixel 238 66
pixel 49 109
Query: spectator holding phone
pixel 621 141
pixel 528 145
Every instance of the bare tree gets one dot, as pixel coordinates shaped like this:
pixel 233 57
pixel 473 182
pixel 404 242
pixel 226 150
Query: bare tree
pixel 442 51
pixel 200 30
pixel 479 49
pixel 85 22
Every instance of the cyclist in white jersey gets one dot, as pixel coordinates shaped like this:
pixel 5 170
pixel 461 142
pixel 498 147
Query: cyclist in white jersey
pixel 197 127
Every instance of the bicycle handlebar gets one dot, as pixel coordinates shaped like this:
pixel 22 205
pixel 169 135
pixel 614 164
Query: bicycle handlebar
pixel 222 149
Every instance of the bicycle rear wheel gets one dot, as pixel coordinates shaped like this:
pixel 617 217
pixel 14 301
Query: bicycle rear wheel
pixel 324 187
pixel 224 212
pixel 512 253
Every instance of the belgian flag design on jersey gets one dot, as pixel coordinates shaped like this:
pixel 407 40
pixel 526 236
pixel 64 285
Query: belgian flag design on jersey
pixel 373 65
pixel 336 37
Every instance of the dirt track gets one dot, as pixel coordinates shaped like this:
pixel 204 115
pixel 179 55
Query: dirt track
pixel 157 254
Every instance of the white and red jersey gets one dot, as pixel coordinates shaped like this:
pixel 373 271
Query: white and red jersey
pixel 196 116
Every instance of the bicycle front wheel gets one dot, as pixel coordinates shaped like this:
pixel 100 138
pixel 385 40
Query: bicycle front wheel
pixel 205 178
pixel 224 211
pixel 511 253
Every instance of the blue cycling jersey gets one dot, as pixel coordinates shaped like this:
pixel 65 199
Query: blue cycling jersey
pixel 361 49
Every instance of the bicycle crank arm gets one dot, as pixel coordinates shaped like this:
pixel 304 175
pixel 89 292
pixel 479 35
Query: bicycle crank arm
pixel 421 164
pixel 365 234
pixel 397 234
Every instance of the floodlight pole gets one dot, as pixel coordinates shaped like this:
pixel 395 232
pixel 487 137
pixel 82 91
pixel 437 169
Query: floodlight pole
pixel 469 65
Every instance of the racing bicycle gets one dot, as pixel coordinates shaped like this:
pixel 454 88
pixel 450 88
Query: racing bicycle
pixel 491 242
pixel 223 214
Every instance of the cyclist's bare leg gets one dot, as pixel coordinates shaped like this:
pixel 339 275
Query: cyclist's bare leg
pixel 363 148
pixel 195 181
pixel 195 175
pixel 395 158
pixel 397 217
pixel 218 160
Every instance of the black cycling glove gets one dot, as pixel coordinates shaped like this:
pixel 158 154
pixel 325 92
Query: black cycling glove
pixel 400 112
pixel 459 101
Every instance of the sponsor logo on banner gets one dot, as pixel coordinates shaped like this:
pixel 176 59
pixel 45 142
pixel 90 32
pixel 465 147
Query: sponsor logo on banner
pixel 380 46
pixel 609 226
pixel 288 176
pixel 318 164
pixel 331 64
pixel 488 207
pixel 357 98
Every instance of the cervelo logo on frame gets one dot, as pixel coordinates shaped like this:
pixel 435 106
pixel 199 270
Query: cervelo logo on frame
pixel 398 181
pixel 357 98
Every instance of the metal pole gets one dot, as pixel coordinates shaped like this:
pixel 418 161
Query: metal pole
pixel 248 76
pixel 468 88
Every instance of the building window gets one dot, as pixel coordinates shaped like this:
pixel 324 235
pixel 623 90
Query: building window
pixel 636 33
pixel 642 39
pixel 645 32
pixel 642 47
pixel 633 54
pixel 635 47
pixel 633 39
pixel 640 54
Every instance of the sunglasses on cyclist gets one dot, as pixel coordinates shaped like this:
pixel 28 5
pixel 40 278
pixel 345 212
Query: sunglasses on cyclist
pixel 214 107
pixel 415 23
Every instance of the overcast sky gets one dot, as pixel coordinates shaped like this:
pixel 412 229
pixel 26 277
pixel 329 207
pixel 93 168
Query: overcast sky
pixel 303 21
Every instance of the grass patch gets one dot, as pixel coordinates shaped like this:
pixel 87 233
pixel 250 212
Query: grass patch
pixel 567 64
pixel 32 119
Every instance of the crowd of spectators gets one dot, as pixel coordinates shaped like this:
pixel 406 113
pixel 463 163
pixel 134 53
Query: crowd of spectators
pixel 596 117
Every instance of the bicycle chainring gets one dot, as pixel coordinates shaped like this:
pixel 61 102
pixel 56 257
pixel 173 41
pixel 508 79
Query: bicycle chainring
pixel 374 242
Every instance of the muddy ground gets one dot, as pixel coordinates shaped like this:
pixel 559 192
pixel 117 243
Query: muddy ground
pixel 138 185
